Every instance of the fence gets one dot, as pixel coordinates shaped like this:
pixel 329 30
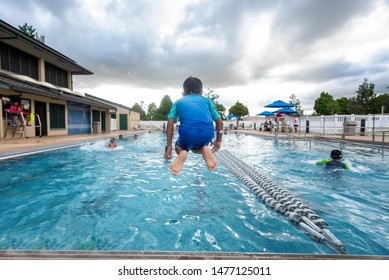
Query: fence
pixel 362 125
pixel 345 124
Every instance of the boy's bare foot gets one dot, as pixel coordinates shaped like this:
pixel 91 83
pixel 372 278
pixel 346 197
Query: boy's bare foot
pixel 209 158
pixel 177 164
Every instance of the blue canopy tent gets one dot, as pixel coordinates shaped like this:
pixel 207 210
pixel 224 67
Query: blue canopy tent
pixel 231 116
pixel 266 125
pixel 266 113
pixel 279 104
pixel 286 111
pixel 287 122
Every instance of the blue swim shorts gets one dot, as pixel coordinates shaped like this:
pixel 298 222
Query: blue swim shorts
pixel 189 139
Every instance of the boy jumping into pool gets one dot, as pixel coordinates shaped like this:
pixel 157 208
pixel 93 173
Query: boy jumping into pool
pixel 196 114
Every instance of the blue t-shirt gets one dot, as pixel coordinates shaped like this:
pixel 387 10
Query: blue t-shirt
pixel 194 111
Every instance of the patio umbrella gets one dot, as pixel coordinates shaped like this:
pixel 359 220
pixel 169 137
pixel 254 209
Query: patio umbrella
pixel 286 111
pixel 266 113
pixel 231 116
pixel 279 104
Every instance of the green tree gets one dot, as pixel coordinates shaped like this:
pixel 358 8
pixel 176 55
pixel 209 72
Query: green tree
pixel 342 105
pixel 296 102
pixel 325 104
pixel 378 102
pixel 239 110
pixel 138 108
pixel 152 112
pixel 29 30
pixel 164 108
pixel 365 95
pixel 221 110
pixel 210 93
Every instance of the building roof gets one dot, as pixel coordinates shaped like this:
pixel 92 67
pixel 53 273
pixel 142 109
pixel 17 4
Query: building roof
pixel 107 101
pixel 22 41
pixel 17 83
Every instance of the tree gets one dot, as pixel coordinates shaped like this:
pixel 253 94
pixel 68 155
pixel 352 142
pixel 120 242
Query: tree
pixel 164 108
pixel 210 93
pixel 378 102
pixel 365 95
pixel 218 106
pixel 239 110
pixel 221 110
pixel 152 112
pixel 342 106
pixel 138 108
pixel 29 30
pixel 296 102
pixel 325 104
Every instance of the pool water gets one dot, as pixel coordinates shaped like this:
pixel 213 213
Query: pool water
pixel 94 198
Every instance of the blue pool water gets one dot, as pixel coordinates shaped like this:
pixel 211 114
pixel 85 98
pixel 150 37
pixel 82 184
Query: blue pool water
pixel 93 198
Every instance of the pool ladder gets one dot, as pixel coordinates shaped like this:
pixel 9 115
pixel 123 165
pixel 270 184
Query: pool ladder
pixel 282 201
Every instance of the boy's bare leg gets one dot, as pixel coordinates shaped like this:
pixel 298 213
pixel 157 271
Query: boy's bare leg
pixel 176 165
pixel 209 158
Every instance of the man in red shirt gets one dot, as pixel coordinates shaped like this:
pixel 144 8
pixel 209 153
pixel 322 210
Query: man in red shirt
pixel 15 107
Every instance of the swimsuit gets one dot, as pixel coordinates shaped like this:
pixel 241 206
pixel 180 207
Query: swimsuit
pixel 196 114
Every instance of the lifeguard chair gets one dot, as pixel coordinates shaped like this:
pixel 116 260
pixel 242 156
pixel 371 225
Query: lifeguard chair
pixel 19 126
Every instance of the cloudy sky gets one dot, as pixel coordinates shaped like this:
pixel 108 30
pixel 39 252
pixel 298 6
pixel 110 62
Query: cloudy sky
pixel 252 51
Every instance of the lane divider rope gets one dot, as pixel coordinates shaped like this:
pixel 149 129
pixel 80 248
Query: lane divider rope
pixel 282 201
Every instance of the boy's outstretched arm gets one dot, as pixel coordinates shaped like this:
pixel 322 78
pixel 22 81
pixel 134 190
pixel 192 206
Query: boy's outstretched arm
pixel 169 139
pixel 219 134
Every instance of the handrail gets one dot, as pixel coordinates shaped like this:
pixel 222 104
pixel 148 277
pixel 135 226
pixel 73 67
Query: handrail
pixel 40 125
pixel 342 143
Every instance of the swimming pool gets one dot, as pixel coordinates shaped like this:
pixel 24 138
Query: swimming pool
pixel 93 198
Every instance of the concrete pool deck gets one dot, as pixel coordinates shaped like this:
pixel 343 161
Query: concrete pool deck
pixel 164 255
pixel 17 146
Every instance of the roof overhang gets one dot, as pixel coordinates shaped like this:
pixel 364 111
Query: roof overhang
pixel 10 82
pixel 24 42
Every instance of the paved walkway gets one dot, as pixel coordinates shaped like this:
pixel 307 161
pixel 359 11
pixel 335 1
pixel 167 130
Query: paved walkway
pixel 15 146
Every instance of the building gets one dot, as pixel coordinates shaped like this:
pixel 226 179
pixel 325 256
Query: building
pixel 124 118
pixel 41 80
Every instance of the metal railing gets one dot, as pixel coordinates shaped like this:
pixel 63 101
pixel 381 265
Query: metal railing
pixel 377 141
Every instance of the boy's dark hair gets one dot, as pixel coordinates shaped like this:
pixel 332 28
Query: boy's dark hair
pixel 192 85
pixel 336 154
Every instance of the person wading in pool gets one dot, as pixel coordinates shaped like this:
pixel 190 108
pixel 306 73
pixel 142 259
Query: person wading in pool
pixel 196 114
pixel 335 161
pixel 112 143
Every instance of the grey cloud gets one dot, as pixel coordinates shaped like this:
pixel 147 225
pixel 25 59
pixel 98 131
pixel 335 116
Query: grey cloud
pixel 130 43
pixel 326 72
pixel 305 21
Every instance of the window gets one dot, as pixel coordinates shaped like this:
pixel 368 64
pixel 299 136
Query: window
pixel 55 75
pixel 95 116
pixel 17 61
pixel 57 116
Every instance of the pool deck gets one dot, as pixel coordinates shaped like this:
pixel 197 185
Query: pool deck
pixel 11 147
pixel 17 146
pixel 171 255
